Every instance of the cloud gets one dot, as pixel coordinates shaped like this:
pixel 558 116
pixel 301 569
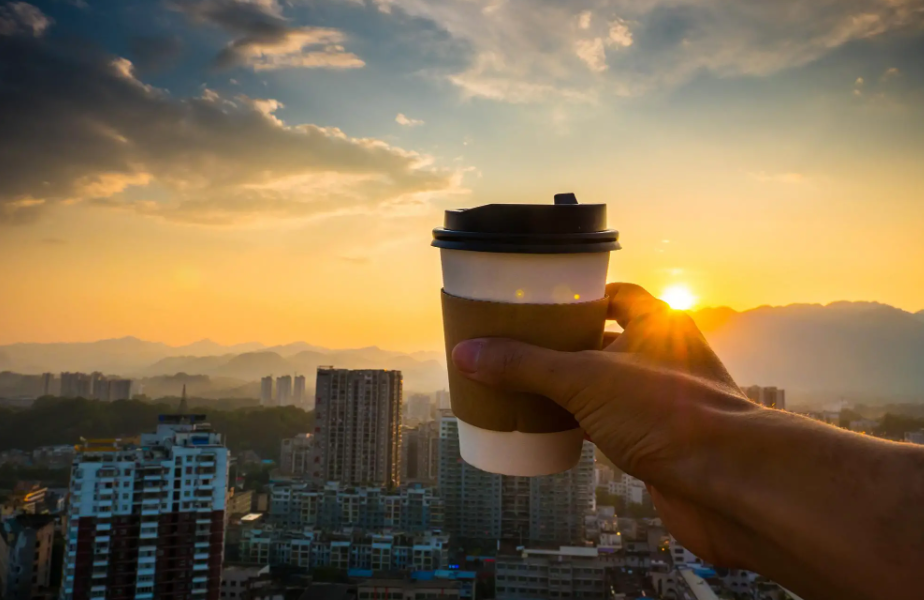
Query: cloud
pixel 21 18
pixel 80 127
pixel 153 53
pixel 891 73
pixel 266 39
pixel 592 53
pixel 553 51
pixel 402 120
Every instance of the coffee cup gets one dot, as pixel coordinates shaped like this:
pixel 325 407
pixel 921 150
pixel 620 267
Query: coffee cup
pixel 531 272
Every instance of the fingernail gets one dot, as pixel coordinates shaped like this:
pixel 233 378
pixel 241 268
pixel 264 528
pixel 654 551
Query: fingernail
pixel 465 355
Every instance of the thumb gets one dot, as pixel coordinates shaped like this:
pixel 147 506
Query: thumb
pixel 509 364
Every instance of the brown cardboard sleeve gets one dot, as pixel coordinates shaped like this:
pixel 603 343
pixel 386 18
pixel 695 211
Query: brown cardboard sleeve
pixel 571 327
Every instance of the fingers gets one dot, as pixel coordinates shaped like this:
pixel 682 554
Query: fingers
pixel 629 302
pixel 513 365
pixel 609 337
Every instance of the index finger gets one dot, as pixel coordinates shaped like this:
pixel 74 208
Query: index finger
pixel 629 302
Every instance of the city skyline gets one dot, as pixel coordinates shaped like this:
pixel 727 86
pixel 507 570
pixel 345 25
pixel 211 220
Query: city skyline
pixel 767 157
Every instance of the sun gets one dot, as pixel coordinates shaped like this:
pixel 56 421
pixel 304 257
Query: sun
pixel 679 297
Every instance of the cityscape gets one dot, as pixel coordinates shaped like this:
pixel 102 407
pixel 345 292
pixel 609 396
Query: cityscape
pixel 373 502
pixel 461 299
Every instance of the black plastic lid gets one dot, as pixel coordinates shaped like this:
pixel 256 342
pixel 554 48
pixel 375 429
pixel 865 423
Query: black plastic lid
pixel 565 227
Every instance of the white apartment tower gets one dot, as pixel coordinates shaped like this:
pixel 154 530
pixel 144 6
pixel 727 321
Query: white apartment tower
pixel 146 516
pixel 358 431
pixel 284 390
pixel 266 391
pixel 298 397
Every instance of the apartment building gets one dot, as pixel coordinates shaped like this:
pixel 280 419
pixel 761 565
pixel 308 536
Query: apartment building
pixel 487 506
pixel 412 508
pixel 146 515
pixel 296 454
pixel 358 426
pixel 568 572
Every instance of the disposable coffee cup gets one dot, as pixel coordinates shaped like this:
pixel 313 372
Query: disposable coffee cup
pixel 531 272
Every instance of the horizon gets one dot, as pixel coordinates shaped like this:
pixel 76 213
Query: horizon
pixel 439 348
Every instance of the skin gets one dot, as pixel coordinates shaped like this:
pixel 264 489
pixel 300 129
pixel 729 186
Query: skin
pixel 822 511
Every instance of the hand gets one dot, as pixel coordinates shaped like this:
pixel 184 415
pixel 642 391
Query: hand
pixel 648 400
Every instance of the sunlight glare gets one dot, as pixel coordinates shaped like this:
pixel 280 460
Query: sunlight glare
pixel 679 297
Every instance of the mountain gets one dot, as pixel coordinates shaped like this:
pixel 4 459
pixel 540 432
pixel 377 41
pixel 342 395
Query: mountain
pixel 920 315
pixel 207 347
pixel 855 350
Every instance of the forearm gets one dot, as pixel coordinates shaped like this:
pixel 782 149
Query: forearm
pixel 846 508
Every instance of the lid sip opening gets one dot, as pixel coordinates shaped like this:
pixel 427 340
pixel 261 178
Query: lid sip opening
pixel 564 227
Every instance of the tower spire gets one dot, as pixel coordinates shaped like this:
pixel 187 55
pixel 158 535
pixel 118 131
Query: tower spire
pixel 184 407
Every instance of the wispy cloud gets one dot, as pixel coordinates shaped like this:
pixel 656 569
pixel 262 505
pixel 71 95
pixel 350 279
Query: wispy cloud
pixel 547 50
pixel 401 119
pixel 788 178
pixel 266 40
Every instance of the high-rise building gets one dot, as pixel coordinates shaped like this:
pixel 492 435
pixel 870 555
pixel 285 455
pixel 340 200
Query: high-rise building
pixel 420 453
pixel 284 390
pixel 75 385
pixel 771 397
pixel 296 454
pixel 266 391
pixel 486 506
pixel 442 400
pixel 418 408
pixel 48 384
pixel 25 555
pixel 358 426
pixel 146 516
pixel 99 386
pixel 120 389
pixel 298 397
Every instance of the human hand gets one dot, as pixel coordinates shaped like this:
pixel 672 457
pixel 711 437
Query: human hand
pixel 650 400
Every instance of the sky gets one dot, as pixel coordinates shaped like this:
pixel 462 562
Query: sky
pixel 271 171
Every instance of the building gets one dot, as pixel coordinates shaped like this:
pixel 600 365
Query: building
pixel 236 579
pixel 408 590
pixel 266 391
pixel 630 489
pixel 420 453
pixel 603 475
pixel 299 397
pixel 120 389
pixel 28 497
pixel 265 544
pixel 75 385
pixel 771 397
pixel 25 555
pixel 418 408
pixel 441 399
pixel 146 516
pixel 358 426
pixel 284 390
pixel 568 572
pixel 296 454
pixel 240 502
pixel 412 509
pixel 49 383
pixel 486 506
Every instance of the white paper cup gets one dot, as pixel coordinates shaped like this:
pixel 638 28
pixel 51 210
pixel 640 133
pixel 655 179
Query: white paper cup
pixel 533 274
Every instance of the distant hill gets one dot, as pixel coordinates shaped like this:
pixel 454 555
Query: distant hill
pixel 861 351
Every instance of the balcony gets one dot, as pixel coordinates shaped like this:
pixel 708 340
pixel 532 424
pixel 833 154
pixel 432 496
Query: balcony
pixel 200 567
pixel 201 556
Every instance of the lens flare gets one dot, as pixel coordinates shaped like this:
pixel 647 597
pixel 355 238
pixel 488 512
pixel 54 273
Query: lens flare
pixel 679 297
